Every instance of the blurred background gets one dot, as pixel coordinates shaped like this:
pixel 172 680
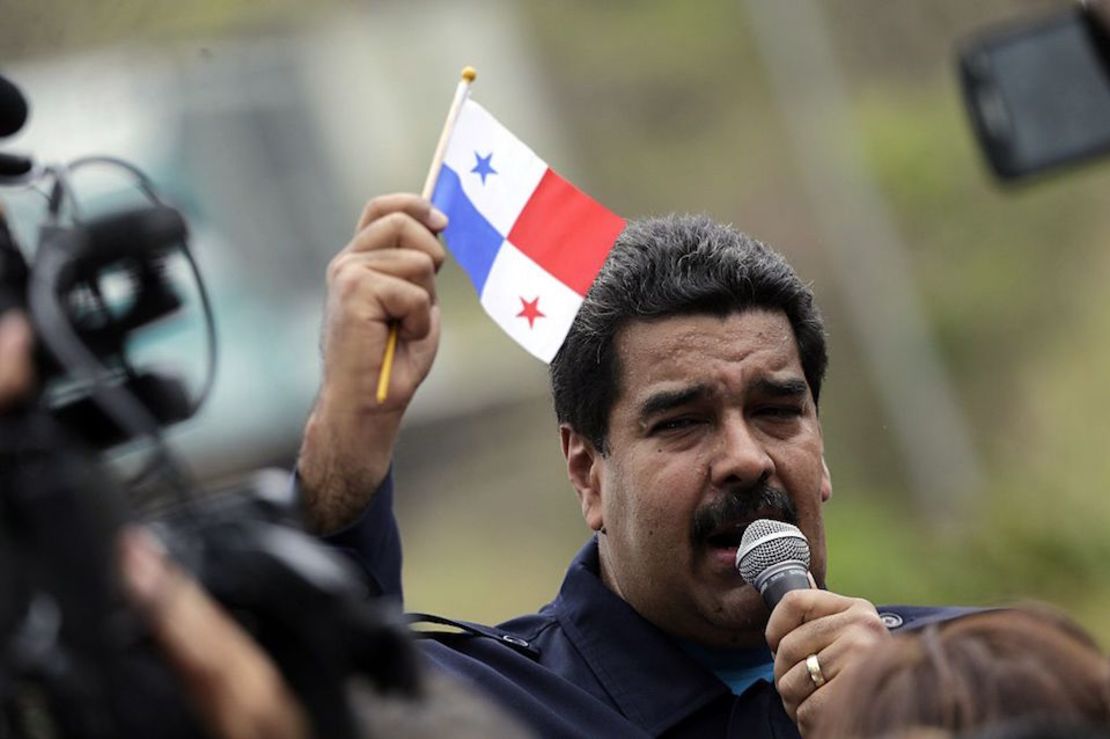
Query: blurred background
pixel 966 414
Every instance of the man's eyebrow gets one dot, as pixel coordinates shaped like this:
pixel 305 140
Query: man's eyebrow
pixel 665 400
pixel 788 388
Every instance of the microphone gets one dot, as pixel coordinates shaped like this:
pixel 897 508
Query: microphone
pixel 13 108
pixel 774 559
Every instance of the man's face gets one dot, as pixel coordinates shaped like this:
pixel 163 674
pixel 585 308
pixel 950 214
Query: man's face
pixel 713 427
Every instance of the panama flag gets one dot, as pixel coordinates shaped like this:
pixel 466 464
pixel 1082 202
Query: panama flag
pixel 531 242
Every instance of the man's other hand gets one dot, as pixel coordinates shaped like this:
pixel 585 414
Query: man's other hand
pixel 229 681
pixel 385 275
pixel 836 628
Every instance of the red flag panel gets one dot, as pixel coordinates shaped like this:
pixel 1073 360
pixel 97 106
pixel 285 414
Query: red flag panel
pixel 566 232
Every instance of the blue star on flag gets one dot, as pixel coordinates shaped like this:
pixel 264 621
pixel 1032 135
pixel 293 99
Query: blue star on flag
pixel 483 166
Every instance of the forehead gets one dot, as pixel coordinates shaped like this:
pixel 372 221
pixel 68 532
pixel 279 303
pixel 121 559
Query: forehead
pixel 743 346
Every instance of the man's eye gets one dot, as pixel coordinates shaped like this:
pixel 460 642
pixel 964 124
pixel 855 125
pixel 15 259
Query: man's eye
pixel 781 411
pixel 674 424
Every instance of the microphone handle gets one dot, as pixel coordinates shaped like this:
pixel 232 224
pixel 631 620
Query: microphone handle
pixel 782 582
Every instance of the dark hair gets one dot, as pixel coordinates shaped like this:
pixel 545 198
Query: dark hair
pixel 670 266
pixel 975 672
pixel 1041 728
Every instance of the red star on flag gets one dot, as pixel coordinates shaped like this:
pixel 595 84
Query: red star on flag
pixel 530 309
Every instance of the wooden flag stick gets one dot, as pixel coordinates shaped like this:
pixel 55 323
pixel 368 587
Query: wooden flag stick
pixel 461 93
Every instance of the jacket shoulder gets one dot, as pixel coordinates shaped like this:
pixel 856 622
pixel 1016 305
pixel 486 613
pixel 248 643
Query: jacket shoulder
pixel 525 635
pixel 899 618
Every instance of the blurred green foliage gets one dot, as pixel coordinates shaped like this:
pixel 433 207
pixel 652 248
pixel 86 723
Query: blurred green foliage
pixel 47 27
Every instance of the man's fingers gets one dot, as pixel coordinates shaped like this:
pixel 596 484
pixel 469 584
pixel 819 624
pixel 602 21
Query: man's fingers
pixel 398 231
pixel 370 296
pixel 16 366
pixel 811 712
pixel 407 303
pixel 415 206
pixel 797 684
pixel 839 665
pixel 233 686
pixel 800 607
pixel 858 624
pixel 350 268
pixel 815 636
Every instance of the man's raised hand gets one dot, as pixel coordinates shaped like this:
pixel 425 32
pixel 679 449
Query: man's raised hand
pixel 385 274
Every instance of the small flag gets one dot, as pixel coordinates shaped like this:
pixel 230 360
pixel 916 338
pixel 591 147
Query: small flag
pixel 530 241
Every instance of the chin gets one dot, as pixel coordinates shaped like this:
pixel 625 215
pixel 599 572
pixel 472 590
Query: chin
pixel 738 619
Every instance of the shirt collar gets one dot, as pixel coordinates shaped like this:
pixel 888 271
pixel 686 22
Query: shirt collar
pixel 651 679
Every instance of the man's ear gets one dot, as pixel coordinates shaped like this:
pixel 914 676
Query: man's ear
pixel 584 468
pixel 826 481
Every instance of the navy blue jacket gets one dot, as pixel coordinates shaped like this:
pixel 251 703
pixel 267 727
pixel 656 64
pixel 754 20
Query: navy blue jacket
pixel 587 665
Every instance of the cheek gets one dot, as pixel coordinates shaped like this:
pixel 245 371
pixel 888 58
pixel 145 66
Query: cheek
pixel 655 505
pixel 671 494
pixel 801 468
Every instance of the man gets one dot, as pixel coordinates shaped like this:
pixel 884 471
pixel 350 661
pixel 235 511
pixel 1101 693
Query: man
pixel 686 394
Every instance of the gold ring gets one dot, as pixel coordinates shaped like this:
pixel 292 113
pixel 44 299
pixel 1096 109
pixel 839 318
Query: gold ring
pixel 814 668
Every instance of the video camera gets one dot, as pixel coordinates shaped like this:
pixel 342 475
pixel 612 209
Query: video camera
pixel 1038 91
pixel 74 661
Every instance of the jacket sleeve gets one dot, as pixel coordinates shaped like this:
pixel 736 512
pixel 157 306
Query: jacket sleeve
pixel 373 543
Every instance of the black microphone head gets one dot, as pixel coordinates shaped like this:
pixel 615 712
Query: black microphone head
pixel 768 543
pixel 13 108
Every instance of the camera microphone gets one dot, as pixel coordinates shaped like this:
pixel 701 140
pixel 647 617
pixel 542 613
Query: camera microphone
pixel 773 557
pixel 13 108
pixel 12 165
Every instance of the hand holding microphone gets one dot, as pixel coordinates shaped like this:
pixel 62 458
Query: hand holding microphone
pixel 812 633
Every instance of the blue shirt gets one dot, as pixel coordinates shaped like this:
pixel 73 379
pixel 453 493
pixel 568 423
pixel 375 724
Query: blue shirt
pixel 586 665
pixel 739 669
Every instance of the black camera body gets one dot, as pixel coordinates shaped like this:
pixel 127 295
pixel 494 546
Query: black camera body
pixel 75 661
pixel 1038 91
pixel 70 263
pixel 67 637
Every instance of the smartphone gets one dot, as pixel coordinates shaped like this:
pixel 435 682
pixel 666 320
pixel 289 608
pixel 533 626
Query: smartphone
pixel 1039 93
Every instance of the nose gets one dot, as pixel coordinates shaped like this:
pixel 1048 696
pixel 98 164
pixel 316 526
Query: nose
pixel 740 458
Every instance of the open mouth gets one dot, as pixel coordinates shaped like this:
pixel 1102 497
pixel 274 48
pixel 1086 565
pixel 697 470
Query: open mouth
pixel 721 545
pixel 727 538
pixel 719 526
pixel 729 534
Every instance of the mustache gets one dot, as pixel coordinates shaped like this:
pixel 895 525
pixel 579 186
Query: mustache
pixel 742 503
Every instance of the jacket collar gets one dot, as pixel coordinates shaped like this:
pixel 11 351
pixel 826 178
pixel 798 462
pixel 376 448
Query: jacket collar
pixel 653 682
